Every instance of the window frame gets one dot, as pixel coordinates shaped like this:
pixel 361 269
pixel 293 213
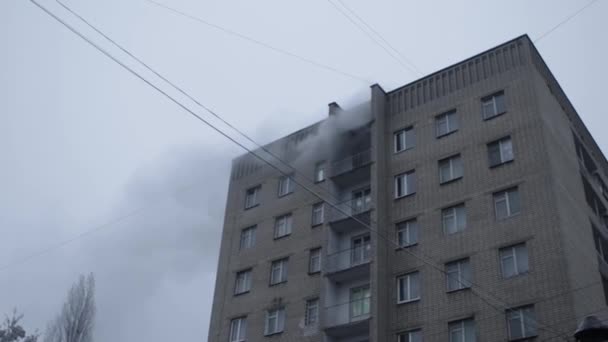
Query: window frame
pixel 452 168
pixel 286 183
pixel 250 232
pixel 408 297
pixel 506 195
pixel 280 321
pixel 316 206
pixel 454 208
pixel 405 185
pixel 239 321
pixel 320 168
pixel 307 310
pixel 311 257
pixel 409 226
pixel 524 322
pixel 515 259
pixel 462 327
pixel 397 140
pixel 288 225
pixel 452 126
pixel 499 143
pixel 408 335
pixel 247 286
pixel 256 194
pixel 283 262
pixel 496 111
pixel 462 273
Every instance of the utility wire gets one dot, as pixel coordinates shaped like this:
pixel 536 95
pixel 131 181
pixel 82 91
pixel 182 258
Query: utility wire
pixel 568 18
pixel 260 43
pixel 391 54
pixel 402 56
pixel 198 117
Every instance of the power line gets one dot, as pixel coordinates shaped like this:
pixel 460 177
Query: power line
pixel 391 54
pixel 105 52
pixel 410 63
pixel 568 18
pixel 260 43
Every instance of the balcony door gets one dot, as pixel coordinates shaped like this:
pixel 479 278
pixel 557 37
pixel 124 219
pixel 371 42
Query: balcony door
pixel 361 200
pixel 359 302
pixel 360 249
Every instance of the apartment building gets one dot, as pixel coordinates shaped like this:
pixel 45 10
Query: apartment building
pixel 469 205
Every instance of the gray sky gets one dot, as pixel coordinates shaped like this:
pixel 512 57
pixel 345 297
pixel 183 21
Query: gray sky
pixel 83 142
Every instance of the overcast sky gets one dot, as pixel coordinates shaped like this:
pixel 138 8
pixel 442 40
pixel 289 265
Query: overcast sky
pixel 82 142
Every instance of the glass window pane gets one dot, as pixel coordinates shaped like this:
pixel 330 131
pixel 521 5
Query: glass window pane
pixel 514 324
pixel 441 125
pixel 500 203
pixel 444 171
pixel 414 286
pixel 411 183
pixel 506 149
pixel 500 103
pixel 457 168
pixel 522 258
pixel 508 263
pixel 410 138
pixel 449 221
pixel 454 122
pixel 514 204
pixel 469 330
pixel 461 217
pixel 494 154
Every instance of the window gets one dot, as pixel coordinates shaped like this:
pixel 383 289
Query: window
pixel 360 250
pixel 446 123
pixel 458 274
pixel 243 282
pixel 248 237
pixel 361 200
pixel 320 171
pixel 404 139
pixel 275 321
pixel 408 287
pixel 252 197
pixel 454 219
pixel 314 261
pixel 493 105
pixel 312 312
pixel 278 271
pixel 410 336
pixel 318 214
pixel 407 233
pixel 285 185
pixel 405 184
pixel 462 331
pixel 500 151
pixel 282 226
pixel 359 301
pixel 238 329
pixel 514 260
pixel 506 203
pixel 450 169
pixel 521 322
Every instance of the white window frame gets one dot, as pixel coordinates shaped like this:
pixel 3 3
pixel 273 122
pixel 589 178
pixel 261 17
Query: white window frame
pixel 450 161
pixel 252 199
pixel 320 169
pixel 400 139
pixel 522 314
pixel 505 150
pixel 409 230
pixel 318 214
pixel 450 212
pixel 279 266
pixel 312 310
pixel 279 321
pixel 409 279
pixel 461 327
pixel 410 336
pixel 451 123
pixel 462 267
pixel 247 237
pixel 513 252
pixel 401 182
pixel 285 185
pixel 314 260
pixel 283 225
pixel 242 282
pixel 506 197
pixel 491 99
pixel 238 329
pixel 360 304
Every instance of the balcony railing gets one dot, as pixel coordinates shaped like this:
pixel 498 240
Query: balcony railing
pixel 349 208
pixel 349 312
pixel 348 258
pixel 350 163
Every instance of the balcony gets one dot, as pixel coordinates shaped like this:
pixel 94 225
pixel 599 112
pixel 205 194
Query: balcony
pixel 340 215
pixel 348 264
pixel 348 319
pixel 352 169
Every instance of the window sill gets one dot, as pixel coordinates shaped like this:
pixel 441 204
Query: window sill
pixel 408 301
pixel 501 164
pixel 285 195
pixel 528 338
pixel 316 225
pixel 401 151
pixel 406 247
pixel 405 196
pixel 281 237
pixel 515 276
pixel 453 180
pixel 446 134
pixel 506 218
pixel 494 116
pixel 253 206
pixel 276 284
pixel 241 293
pixel 273 334
pixel 319 181
pixel 316 273
pixel 458 290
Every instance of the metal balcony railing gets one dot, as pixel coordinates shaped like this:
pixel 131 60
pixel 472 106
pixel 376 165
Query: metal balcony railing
pixel 351 163
pixel 349 312
pixel 348 208
pixel 348 258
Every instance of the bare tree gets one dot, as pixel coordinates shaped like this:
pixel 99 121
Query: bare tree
pixel 12 331
pixel 76 320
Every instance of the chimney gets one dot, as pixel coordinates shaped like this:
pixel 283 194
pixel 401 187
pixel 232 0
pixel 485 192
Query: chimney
pixel 334 108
